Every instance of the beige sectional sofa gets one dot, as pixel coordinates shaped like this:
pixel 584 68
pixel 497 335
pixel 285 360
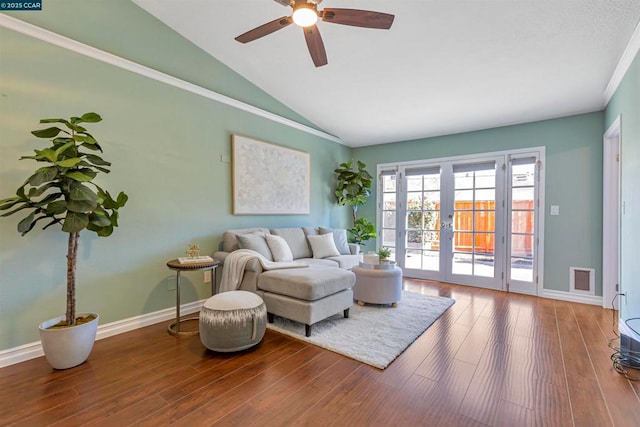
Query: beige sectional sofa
pixel 305 295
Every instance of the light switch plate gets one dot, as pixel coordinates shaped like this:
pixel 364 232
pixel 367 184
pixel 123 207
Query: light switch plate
pixel 555 210
pixel 207 276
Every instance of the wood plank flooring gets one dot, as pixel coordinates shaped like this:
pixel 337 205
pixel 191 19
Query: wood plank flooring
pixel 493 358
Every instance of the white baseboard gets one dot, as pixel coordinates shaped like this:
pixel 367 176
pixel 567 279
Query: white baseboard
pixel 568 296
pixel 32 350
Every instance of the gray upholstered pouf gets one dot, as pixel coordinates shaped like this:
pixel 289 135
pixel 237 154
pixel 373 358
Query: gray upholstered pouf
pixel 377 286
pixel 232 321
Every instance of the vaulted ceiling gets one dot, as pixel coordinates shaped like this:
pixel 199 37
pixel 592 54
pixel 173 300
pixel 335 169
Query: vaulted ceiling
pixel 444 66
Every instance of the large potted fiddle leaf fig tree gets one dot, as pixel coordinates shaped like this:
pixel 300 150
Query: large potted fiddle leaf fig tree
pixel 353 188
pixel 62 193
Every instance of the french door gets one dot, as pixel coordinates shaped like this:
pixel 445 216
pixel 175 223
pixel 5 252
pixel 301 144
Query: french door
pixel 463 220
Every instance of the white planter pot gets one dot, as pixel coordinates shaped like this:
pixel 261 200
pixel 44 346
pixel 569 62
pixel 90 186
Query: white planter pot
pixel 65 348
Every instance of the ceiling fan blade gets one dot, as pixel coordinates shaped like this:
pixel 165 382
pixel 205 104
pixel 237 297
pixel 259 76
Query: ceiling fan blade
pixel 358 18
pixel 265 29
pixel 315 45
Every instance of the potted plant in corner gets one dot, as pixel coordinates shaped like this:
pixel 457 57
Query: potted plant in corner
pixel 63 192
pixel 353 188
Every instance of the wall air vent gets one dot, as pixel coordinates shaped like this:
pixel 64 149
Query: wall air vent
pixel 582 280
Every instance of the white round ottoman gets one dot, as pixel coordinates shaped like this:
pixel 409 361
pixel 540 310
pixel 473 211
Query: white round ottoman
pixel 232 321
pixel 377 286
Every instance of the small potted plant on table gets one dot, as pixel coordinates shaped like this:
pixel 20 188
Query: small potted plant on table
pixel 384 254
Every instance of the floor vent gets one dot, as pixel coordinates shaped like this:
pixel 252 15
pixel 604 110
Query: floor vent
pixel 582 280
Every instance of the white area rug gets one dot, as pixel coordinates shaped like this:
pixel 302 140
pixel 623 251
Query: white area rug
pixel 373 334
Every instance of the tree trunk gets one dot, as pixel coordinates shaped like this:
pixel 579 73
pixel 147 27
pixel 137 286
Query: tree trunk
pixel 72 254
pixel 354 213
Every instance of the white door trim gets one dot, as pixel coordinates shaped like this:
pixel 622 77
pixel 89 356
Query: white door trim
pixel 611 211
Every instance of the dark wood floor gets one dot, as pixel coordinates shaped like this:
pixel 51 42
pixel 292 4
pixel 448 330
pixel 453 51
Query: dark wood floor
pixel 492 359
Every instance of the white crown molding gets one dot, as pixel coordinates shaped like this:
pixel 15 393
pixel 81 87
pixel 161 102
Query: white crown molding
pixel 47 36
pixel 623 65
pixel 32 350
pixel 571 297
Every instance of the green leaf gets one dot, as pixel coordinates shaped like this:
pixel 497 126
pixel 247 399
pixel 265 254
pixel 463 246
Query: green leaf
pixel 50 198
pixel 122 199
pixel 56 208
pixel 26 224
pixel 96 160
pixel 99 220
pixel 81 175
pixel 75 222
pixel 9 203
pixel 35 192
pixel 103 170
pixel 61 149
pixel 62 140
pixel 53 121
pixel 69 163
pixel 114 218
pixel 82 192
pixel 93 147
pixel 75 127
pixel 107 200
pixel 81 205
pixel 88 139
pixel 105 231
pixel 47 154
pixel 91 118
pixel 24 206
pixel 47 133
pixel 43 175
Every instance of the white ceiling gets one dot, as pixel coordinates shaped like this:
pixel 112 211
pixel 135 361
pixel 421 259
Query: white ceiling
pixel 444 66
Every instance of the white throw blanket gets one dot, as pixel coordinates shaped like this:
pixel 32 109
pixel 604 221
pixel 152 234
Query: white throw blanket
pixel 236 261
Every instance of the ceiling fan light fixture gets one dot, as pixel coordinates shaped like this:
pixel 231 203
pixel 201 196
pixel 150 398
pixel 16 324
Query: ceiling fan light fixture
pixel 304 14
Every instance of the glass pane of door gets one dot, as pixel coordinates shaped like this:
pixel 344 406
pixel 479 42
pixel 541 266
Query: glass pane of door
pixel 423 220
pixel 522 221
pixel 389 212
pixel 474 220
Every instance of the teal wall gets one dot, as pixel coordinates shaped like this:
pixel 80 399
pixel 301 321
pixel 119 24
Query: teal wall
pixel 166 147
pixel 573 172
pixel 626 103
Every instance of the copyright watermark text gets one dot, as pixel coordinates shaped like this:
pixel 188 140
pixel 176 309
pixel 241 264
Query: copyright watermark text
pixel 24 5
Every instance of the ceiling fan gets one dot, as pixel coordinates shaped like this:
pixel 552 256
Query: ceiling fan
pixel 306 13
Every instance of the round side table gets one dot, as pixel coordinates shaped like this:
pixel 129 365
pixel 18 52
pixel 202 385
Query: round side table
pixel 174 264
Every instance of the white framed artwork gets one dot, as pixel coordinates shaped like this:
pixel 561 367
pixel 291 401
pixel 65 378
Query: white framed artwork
pixel 269 179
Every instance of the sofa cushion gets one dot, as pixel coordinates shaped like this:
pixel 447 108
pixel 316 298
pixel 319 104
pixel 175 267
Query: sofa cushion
pixel 308 284
pixel 339 238
pixel 255 242
pixel 310 231
pixel 323 245
pixel 346 261
pixel 317 262
pixel 230 241
pixel 296 240
pixel 279 248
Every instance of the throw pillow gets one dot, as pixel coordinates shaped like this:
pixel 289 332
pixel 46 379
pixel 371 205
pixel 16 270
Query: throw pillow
pixel 323 245
pixel 255 242
pixel 279 248
pixel 339 238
